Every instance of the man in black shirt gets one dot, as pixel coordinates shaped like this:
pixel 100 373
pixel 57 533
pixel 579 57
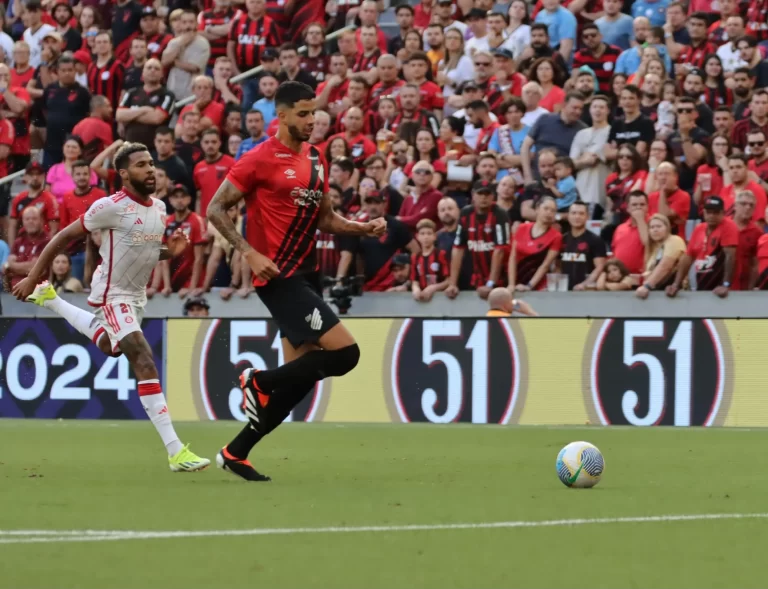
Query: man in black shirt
pixel 633 127
pixel 62 14
pixel 582 256
pixel 290 68
pixel 66 103
pixel 693 86
pixel 750 53
pixel 188 141
pixel 448 212
pixel 689 143
pixel 125 25
pixel 166 159
pixel 540 47
pixel 142 110
pixel 139 56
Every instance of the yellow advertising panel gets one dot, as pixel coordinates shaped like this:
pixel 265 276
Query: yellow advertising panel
pixel 642 372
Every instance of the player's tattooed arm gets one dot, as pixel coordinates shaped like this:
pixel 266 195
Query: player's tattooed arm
pixel 226 197
pixel 330 221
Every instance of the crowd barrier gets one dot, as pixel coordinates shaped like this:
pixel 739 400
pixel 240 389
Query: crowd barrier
pixel 642 372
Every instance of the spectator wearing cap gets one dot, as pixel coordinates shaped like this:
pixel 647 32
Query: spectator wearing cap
pixel 134 68
pixel 631 235
pixel 745 275
pixel 35 32
pixel 615 27
pixel 214 24
pixel 422 201
pixel 35 197
pixel 538 48
pixel 82 63
pixel 712 250
pixel 376 252
pixel 470 92
pixel 209 172
pixel 125 26
pixel 26 247
pixel 740 180
pixel 143 110
pixel 429 268
pixel 401 273
pixel 156 40
pixel 477 21
pixel 66 103
pixel 196 307
pixel 556 130
pixel 483 230
pixel 106 74
pixel 15 102
pixel 186 56
pixel 184 273
pixel 63 15
pixel 587 153
pixel 76 203
pixel 95 131
pixel 670 200
pixel 562 27
pixel 597 56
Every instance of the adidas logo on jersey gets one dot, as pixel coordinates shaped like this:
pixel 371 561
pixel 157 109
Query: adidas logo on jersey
pixel 139 222
pixel 314 320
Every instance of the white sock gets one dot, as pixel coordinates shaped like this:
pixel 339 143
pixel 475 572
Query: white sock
pixel 153 401
pixel 83 321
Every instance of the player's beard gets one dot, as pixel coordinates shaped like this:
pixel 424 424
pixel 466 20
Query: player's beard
pixel 297 135
pixel 145 188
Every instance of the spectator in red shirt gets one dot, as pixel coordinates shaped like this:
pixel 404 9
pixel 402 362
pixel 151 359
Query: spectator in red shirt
pixel 7 136
pixel 670 201
pixel 75 204
pixel 22 71
pixel 157 41
pixel 331 92
pixel 106 74
pixel 15 102
pixel 184 273
pixel 210 173
pixel 415 70
pixel 758 163
pixel 429 268
pixel 695 53
pixel 27 247
pixel 630 236
pixel 712 248
pixel 96 130
pixel 740 180
pixel 357 96
pixel 422 14
pixel 225 92
pixel 478 115
pixel 211 113
pixel 369 54
pixel 745 275
pixel 360 146
pixel 389 83
pixel 369 16
pixel 598 56
pixel 422 201
pixel 214 26
pixel 428 151
pixel 535 246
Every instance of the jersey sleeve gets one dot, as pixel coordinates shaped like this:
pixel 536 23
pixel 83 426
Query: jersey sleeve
pixel 101 215
pixel 461 233
pixel 168 103
pixel 557 242
pixel 244 174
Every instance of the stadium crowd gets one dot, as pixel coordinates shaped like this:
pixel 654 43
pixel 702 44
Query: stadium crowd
pixel 597 144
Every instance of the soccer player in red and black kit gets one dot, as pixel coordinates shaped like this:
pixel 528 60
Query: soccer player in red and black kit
pixel 284 182
pixel 712 248
pixel 483 230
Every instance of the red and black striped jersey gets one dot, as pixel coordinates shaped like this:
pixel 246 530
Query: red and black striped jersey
pixel 317 66
pixel 214 18
pixel 236 89
pixel 276 11
pixel 282 191
pixel 381 89
pixel 365 63
pixel 251 37
pixel 714 97
pixel 482 234
pixel 707 248
pixel 126 21
pixel 602 66
pixel 328 253
pixel 156 44
pixel 107 80
pixel 423 117
pixel 696 55
pixel 431 268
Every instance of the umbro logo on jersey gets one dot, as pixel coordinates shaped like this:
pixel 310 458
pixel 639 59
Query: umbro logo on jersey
pixel 290 173
pixel 314 320
pixel 139 222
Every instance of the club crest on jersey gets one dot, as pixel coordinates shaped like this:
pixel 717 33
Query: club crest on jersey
pixel 131 208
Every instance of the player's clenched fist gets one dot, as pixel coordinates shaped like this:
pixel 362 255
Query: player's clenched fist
pixel 376 228
pixel 261 266
pixel 24 288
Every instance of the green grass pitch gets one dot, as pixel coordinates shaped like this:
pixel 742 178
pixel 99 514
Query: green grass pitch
pixel 72 476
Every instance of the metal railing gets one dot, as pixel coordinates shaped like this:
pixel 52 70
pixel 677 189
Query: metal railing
pixel 252 72
pixel 190 99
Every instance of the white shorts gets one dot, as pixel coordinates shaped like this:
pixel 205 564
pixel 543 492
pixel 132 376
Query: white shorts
pixel 118 320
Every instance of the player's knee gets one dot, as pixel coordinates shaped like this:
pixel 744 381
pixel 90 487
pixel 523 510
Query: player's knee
pixel 344 360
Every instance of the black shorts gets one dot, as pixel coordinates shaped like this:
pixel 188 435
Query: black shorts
pixel 297 306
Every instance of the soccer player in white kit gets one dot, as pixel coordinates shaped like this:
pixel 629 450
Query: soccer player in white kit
pixel 131 224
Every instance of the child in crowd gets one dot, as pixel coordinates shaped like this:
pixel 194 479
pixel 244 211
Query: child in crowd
pixel 563 185
pixel 615 276
pixel 429 267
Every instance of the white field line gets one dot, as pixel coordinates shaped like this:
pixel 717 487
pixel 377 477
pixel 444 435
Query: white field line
pixel 56 536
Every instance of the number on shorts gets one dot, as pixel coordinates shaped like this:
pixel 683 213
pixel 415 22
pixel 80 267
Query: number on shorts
pixel 124 308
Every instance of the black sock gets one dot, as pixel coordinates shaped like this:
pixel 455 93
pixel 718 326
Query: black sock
pixel 244 442
pixel 301 373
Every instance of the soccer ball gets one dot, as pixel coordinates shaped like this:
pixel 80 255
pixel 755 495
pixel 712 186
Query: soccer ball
pixel 580 465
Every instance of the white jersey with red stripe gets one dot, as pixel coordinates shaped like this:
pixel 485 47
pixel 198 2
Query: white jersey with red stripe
pixel 131 235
